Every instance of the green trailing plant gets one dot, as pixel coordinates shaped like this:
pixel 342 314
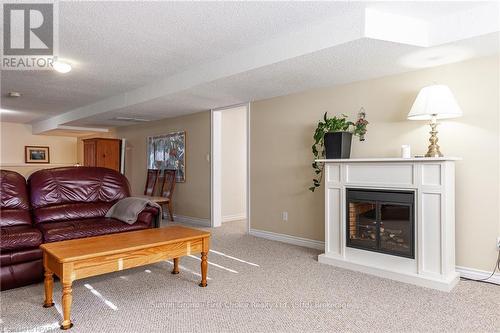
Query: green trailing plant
pixel 333 124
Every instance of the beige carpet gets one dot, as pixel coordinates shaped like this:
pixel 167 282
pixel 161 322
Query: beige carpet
pixel 255 285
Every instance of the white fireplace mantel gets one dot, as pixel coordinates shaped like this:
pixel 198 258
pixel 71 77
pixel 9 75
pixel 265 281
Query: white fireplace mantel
pixel 433 182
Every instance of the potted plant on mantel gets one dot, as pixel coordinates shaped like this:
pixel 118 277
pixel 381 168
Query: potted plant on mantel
pixel 332 140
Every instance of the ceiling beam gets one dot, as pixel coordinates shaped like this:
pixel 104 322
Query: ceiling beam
pixel 280 48
pixel 354 24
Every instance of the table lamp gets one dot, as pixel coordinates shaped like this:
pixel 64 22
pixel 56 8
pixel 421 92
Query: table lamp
pixel 432 103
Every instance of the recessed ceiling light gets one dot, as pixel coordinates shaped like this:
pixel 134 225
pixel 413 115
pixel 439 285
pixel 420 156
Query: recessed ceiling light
pixel 61 66
pixel 7 111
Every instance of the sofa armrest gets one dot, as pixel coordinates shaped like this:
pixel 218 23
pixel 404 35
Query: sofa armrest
pixel 150 216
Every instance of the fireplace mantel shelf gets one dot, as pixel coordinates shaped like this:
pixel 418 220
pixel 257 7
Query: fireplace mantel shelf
pixel 390 159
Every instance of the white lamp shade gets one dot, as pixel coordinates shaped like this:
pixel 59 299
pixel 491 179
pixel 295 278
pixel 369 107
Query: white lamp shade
pixel 435 101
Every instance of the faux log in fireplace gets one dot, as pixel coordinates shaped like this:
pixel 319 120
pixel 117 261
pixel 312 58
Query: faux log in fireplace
pixel 381 221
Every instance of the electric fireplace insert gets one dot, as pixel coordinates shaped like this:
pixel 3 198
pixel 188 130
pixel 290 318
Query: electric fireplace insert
pixel 381 221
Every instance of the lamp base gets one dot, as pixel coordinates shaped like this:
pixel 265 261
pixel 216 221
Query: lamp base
pixel 434 154
pixel 433 150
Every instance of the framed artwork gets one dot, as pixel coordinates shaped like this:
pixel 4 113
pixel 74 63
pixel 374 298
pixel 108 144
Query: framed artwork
pixel 168 152
pixel 36 154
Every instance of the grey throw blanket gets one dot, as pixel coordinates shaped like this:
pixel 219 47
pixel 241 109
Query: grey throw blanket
pixel 128 209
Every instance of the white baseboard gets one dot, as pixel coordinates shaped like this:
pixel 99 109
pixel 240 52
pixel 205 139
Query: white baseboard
pixel 476 274
pixel 192 220
pixel 313 244
pixel 465 272
pixel 234 217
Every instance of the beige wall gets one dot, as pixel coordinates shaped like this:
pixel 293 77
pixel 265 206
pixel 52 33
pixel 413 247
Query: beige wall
pixel 191 198
pixel 234 163
pixel 63 150
pixel 281 139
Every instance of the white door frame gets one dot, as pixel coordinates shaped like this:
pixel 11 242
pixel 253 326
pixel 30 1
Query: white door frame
pixel 216 164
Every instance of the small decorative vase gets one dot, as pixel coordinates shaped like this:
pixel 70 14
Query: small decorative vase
pixel 338 145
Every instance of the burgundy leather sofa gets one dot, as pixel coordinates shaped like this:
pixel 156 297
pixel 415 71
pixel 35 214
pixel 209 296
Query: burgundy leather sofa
pixel 55 205
pixel 20 257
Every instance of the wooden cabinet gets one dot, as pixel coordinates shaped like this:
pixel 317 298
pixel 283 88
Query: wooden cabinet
pixel 102 152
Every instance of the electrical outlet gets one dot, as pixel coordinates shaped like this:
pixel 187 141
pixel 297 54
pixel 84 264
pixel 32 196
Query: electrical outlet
pixel 498 243
pixel 284 216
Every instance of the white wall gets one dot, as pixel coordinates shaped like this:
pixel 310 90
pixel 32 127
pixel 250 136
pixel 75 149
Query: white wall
pixel 234 164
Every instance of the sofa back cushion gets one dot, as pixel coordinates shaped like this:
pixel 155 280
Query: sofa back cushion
pixel 75 193
pixel 14 205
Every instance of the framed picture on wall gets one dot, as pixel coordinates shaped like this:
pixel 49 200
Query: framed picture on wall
pixel 168 152
pixel 36 154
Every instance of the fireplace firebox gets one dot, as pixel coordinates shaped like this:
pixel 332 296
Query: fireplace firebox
pixel 381 221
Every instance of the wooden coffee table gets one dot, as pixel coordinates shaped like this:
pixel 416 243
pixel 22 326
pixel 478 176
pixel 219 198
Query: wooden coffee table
pixel 80 258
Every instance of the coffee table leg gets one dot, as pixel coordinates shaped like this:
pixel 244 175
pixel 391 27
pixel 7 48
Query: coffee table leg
pixel 66 304
pixel 49 288
pixel 176 266
pixel 204 266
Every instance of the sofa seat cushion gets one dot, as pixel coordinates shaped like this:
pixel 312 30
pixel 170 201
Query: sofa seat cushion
pixel 19 237
pixel 59 231
pixel 11 217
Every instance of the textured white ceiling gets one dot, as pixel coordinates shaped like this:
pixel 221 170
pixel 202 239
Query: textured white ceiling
pixel 119 46
pixel 359 60
pixel 116 47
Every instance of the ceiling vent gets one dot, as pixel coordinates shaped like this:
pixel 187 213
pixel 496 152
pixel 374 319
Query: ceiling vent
pixel 131 119
pixel 14 94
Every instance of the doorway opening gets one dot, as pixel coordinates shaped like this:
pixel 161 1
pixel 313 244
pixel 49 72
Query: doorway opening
pixel 230 166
